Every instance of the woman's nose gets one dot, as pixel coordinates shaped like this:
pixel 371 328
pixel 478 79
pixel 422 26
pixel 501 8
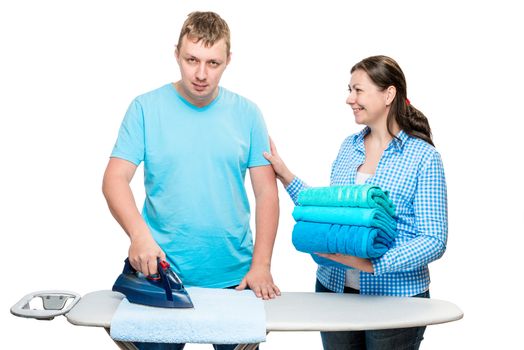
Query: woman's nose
pixel 351 98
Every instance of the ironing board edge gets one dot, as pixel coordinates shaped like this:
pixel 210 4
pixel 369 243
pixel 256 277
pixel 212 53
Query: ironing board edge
pixel 95 309
pixel 303 311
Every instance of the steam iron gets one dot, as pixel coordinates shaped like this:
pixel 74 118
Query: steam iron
pixel 164 289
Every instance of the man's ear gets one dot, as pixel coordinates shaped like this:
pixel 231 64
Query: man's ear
pixel 176 53
pixel 229 58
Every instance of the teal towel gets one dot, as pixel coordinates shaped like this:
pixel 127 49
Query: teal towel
pixel 362 196
pixel 364 242
pixel 347 216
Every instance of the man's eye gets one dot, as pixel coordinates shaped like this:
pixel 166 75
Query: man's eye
pixel 214 64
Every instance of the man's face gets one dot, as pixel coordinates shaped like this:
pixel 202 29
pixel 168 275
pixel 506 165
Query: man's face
pixel 201 69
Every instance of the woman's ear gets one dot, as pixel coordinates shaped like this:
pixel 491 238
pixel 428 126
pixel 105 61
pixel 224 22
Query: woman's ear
pixel 391 92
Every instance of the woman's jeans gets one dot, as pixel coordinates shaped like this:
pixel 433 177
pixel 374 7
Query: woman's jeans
pixel 385 339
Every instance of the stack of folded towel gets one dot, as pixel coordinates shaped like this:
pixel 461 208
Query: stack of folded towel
pixel 356 220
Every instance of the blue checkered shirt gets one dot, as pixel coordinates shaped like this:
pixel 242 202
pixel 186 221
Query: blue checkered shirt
pixel 411 170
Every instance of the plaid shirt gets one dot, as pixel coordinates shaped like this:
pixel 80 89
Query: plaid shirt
pixel 411 170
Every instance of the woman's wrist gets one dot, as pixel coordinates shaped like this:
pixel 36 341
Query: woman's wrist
pixel 286 178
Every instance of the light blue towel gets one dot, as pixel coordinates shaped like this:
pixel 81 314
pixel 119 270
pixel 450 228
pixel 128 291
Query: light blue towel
pixel 364 242
pixel 220 316
pixel 361 196
pixel 347 216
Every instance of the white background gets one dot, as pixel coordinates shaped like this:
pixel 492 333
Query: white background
pixel 69 69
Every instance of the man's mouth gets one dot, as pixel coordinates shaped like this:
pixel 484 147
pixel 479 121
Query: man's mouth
pixel 199 86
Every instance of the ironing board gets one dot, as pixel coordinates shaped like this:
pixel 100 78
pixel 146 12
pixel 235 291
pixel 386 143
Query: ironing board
pixel 300 311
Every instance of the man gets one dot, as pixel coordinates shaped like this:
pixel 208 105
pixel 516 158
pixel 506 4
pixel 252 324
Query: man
pixel 196 140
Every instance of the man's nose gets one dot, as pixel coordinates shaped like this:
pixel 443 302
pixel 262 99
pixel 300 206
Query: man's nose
pixel 201 72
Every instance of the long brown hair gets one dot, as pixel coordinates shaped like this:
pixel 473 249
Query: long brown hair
pixel 385 72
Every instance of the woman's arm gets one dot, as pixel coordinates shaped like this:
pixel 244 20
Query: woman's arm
pixel 431 223
pixel 279 167
pixel 291 183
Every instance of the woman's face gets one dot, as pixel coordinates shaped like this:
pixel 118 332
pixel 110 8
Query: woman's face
pixel 369 103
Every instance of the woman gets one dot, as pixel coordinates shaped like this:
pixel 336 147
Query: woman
pixel 395 152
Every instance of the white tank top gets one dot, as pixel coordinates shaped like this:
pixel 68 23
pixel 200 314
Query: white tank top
pixel 352 275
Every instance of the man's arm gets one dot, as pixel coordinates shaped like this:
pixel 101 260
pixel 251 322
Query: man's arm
pixel 259 277
pixel 143 250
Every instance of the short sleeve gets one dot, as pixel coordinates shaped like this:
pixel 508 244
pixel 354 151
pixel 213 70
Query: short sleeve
pixel 130 144
pixel 259 141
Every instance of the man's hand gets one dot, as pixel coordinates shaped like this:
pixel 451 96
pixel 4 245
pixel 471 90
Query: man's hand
pixel 143 254
pixel 260 281
pixel 143 250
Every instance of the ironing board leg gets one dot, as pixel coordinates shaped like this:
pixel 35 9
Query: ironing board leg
pixel 246 346
pixel 123 345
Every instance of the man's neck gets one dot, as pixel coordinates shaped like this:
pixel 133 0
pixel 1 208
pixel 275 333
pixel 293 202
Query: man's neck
pixel 200 103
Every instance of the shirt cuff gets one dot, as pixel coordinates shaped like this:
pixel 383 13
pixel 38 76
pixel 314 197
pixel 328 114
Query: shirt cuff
pixel 379 265
pixel 294 188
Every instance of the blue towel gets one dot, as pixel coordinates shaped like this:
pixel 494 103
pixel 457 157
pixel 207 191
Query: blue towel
pixel 364 242
pixel 347 216
pixel 361 196
pixel 220 316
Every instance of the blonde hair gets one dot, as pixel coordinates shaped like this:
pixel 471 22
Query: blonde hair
pixel 206 26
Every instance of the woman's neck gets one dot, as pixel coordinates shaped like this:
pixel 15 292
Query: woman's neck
pixel 379 135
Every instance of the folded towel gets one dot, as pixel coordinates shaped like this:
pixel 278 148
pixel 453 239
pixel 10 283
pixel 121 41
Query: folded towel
pixel 363 196
pixel 364 242
pixel 220 316
pixel 347 216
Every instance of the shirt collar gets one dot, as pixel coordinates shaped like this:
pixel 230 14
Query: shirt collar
pixel 398 143
pixel 358 139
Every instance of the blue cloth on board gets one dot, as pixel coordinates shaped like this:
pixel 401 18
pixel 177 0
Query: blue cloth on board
pixel 220 316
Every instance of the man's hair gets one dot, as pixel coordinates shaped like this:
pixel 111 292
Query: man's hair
pixel 206 26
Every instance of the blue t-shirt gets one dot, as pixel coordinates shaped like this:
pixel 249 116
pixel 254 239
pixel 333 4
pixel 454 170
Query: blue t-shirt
pixel 195 161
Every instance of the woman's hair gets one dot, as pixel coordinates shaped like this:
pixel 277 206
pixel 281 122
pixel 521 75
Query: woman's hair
pixel 385 72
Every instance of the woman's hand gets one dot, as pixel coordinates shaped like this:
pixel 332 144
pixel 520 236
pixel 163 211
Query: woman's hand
pixel 282 172
pixel 351 261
